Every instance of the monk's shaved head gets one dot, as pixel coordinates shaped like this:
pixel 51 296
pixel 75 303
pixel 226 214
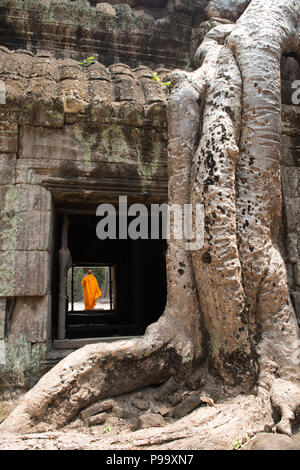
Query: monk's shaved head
pixel 90 271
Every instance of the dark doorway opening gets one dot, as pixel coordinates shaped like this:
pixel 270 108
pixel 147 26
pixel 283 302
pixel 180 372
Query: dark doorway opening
pixel 138 288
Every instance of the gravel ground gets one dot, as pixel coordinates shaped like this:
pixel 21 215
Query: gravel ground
pixel 79 306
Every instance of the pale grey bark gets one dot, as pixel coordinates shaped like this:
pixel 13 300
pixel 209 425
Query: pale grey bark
pixel 259 297
pixel 258 173
pixel 217 267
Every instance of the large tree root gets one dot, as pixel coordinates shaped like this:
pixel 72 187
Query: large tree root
pixel 207 428
pixel 104 370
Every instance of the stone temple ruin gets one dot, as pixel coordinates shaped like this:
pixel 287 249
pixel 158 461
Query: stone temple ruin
pixel 73 137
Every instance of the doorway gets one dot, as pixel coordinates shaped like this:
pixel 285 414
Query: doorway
pixel 134 272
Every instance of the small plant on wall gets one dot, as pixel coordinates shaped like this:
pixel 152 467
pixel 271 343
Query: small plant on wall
pixel 156 78
pixel 87 62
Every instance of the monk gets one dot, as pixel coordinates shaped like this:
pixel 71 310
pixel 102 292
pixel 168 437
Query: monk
pixel 91 290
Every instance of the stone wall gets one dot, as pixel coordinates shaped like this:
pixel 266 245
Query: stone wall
pixel 291 199
pixel 290 173
pixel 65 126
pixel 68 134
pixel 133 32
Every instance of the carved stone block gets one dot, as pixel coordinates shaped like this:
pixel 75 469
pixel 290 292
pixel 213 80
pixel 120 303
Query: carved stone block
pixel 24 273
pixel 31 318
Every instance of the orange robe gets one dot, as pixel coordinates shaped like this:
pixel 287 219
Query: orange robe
pixel 91 291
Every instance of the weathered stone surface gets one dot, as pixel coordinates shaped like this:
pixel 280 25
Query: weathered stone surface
pixel 119 412
pixel 290 120
pixel 148 420
pixel 7 168
pixel 34 231
pixel 195 381
pixel 24 362
pixel 31 319
pixel 175 398
pixel 97 408
pixel 8 137
pixel 292 205
pixel 296 301
pixel 266 441
pixel 25 240
pixel 109 145
pixel 158 37
pixel 165 411
pixel 187 405
pixel 96 419
pixel 140 404
pixel 291 181
pixel 166 389
pixel 106 8
pixel 289 150
pixel 24 273
pixel 290 229
pixel 76 424
pixel 292 247
pixel 297 273
pixel 83 126
pixel 207 400
pixel 23 198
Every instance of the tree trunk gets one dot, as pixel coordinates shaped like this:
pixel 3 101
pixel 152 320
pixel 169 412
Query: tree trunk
pixel 228 301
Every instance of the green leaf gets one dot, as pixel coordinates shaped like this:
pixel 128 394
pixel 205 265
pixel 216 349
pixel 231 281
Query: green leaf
pixel 86 62
pixel 237 445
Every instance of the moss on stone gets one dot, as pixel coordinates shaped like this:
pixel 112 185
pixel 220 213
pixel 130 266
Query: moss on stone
pixel 87 140
pixel 23 365
pixel 9 239
pixel 114 142
pixel 149 145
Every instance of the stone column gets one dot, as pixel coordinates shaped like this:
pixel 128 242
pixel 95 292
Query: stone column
pixel 65 262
